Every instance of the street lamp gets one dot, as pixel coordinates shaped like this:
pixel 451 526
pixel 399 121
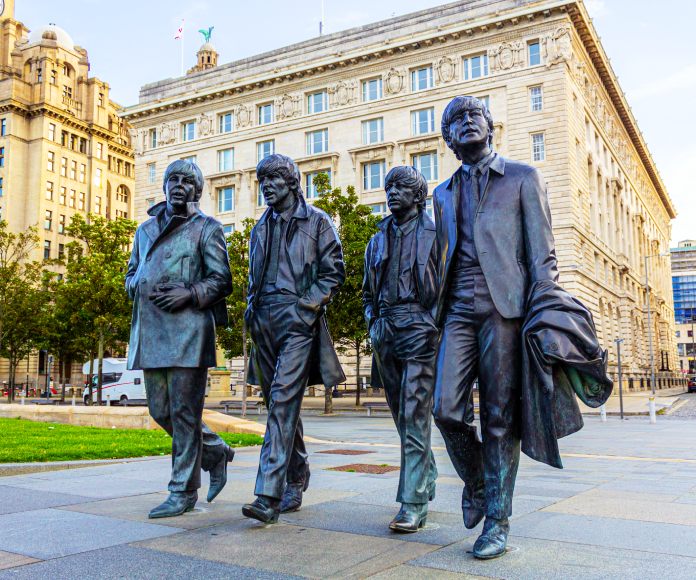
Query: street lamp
pixel 651 404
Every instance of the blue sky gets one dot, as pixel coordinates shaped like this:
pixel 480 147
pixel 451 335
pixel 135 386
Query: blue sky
pixel 131 43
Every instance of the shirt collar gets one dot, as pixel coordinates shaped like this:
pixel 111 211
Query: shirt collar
pixel 482 165
pixel 287 214
pixel 407 227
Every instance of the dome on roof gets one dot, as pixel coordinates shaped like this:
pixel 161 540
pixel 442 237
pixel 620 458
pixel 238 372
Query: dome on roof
pixel 52 32
pixel 207 46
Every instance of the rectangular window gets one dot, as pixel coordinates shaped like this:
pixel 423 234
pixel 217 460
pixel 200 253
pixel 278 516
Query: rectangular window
pixel 423 121
pixel 310 188
pixel 83 172
pixel 2 157
pixel 225 197
pixel 429 207
pixel 100 100
pixel 475 67
pixel 226 123
pixel 64 166
pixel 265 114
pixel 100 150
pixel 51 161
pixel 372 89
pixel 47 249
pixel 151 172
pixel 422 78
pixel 73 169
pixel 188 131
pixel 97 204
pixel 49 190
pixel 318 142
pixel 83 145
pixel 71 199
pixel 426 163
pixel 61 224
pixel 189 158
pixel 373 131
pixel 373 175
pixel 535 99
pixel 534 53
pixel 228 229
pixel 260 202
pixel 264 149
pixel 81 201
pixel 538 147
pixel 98 178
pixel 2 189
pixel 3 127
pixel 379 209
pixel 152 138
pixel 226 160
pixel 51 132
pixel 62 195
pixel 48 219
pixel 317 102
pixel 61 252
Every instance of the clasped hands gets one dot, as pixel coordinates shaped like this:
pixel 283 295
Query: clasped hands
pixel 171 297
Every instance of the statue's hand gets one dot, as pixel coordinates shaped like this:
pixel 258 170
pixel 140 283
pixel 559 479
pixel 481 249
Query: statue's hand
pixel 171 297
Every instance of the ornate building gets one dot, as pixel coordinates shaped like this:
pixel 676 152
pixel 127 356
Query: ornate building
pixel 63 148
pixel 355 103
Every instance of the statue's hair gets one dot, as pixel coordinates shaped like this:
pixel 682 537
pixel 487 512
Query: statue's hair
pixel 457 106
pixel 187 168
pixel 282 166
pixel 408 176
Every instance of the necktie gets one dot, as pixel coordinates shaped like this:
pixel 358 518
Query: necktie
pixel 475 176
pixel 272 273
pixel 394 271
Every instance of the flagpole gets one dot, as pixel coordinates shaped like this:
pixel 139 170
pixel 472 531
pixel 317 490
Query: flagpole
pixel 182 47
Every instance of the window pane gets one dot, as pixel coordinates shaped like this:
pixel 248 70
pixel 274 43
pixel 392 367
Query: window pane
pixel 421 79
pixel 538 147
pixel 372 89
pixel 265 114
pixel 534 54
pixel 373 175
pixel 226 123
pixel 226 160
pixel 310 188
pixel 226 199
pixel 316 102
pixel 536 99
pixel 264 149
pixel 426 163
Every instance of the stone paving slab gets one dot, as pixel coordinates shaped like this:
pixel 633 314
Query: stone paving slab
pixel 10 560
pixel 407 572
pixel 290 549
pixel 52 533
pixel 135 564
pixel 533 559
pixel 91 486
pixel 15 499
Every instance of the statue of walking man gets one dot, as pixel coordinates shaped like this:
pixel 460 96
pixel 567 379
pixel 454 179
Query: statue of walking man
pixel 178 277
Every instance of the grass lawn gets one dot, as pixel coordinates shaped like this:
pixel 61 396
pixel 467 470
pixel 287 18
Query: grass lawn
pixel 23 441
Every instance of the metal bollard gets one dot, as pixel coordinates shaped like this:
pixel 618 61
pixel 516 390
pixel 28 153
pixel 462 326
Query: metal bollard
pixel 21 402
pixel 73 398
pixel 651 407
pixel 603 413
pixel 108 400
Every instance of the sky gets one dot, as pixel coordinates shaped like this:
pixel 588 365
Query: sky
pixel 131 43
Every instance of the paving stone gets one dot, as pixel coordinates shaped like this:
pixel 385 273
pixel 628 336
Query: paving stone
pixel 102 486
pixel 323 553
pixel 408 572
pixel 10 560
pixel 15 499
pixel 532 559
pixel 135 564
pixel 51 533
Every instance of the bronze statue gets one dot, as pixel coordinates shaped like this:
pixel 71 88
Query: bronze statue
pixel 295 267
pixel 399 292
pixel 178 277
pixel 505 321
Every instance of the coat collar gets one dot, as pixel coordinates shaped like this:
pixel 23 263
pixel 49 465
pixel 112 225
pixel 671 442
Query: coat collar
pixel 301 212
pixel 424 222
pixel 497 165
pixel 151 226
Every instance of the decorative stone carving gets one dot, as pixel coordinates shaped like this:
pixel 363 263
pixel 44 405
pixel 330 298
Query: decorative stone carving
pixel 244 116
pixel 342 93
pixel 394 81
pixel 446 69
pixel 205 125
pixel 506 56
pixel 556 47
pixel 136 140
pixel 167 133
pixel 287 107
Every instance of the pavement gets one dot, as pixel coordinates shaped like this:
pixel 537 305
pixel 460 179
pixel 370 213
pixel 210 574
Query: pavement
pixel 623 507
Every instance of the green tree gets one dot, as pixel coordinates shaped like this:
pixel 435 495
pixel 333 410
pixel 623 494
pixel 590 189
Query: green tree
pixel 95 273
pixel 22 298
pixel 356 224
pixel 233 338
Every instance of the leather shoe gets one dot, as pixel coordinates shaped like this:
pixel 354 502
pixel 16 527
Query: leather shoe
pixel 493 540
pixel 218 474
pixel 292 496
pixel 410 518
pixel 178 502
pixel 263 508
pixel 472 509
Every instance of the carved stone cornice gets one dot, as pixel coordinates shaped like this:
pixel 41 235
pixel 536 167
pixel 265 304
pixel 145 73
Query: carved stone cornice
pixel 371 152
pixel 319 161
pixel 421 143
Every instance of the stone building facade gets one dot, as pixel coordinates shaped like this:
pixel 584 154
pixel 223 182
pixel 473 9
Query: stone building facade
pixel 358 102
pixel 63 148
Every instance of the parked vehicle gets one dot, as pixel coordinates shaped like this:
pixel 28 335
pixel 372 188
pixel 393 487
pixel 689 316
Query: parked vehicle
pixel 691 388
pixel 119 385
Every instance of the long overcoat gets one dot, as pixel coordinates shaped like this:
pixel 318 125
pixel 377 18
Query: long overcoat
pixel 316 260
pixel 191 250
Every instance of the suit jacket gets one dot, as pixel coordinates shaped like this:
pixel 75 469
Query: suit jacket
pixel 191 249
pixel 314 254
pixel 512 234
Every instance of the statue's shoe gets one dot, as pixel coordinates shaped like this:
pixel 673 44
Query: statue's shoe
pixel 264 509
pixel 410 518
pixel 178 502
pixel 292 496
pixel 218 474
pixel 493 540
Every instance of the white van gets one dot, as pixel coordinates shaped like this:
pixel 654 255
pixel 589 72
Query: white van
pixel 119 385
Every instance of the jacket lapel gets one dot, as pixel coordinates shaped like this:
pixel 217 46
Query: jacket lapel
pixel 381 256
pixel 495 169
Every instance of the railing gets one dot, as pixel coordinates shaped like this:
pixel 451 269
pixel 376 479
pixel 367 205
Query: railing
pixel 71 103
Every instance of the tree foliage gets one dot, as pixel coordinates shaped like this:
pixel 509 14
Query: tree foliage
pixel 356 224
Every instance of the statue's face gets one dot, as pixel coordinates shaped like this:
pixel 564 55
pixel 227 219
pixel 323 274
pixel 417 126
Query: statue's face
pixel 275 190
pixel 401 198
pixel 180 189
pixel 469 128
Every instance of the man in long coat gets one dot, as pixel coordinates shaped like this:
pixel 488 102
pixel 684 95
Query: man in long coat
pixel 295 268
pixel 178 276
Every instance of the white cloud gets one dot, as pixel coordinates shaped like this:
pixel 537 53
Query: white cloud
pixel 676 81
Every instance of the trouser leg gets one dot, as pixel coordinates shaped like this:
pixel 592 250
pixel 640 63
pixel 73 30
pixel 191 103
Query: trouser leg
pixel 298 465
pixel 499 343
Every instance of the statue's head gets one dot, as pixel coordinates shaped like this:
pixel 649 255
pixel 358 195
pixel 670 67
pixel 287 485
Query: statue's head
pixel 278 177
pixel 183 183
pixel 406 188
pixel 467 123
